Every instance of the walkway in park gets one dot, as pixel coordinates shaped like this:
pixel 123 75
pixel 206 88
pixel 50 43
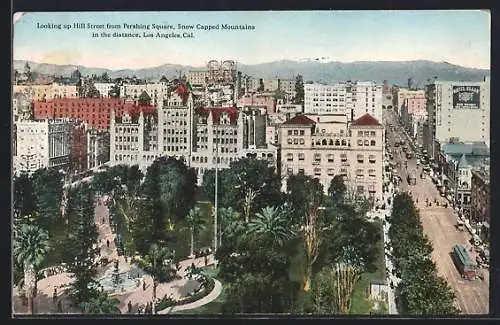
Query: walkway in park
pixel 44 303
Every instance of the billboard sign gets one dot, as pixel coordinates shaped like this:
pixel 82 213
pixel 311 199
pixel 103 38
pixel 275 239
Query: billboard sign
pixel 466 97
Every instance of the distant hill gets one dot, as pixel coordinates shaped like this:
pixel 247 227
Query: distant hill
pixel 395 72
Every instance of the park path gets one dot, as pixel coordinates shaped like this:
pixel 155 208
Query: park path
pixel 198 303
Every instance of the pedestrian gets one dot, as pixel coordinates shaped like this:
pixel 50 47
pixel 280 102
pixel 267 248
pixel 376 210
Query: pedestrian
pixel 54 296
pixel 107 242
pixel 206 260
pixel 143 285
pixel 129 306
pixel 59 307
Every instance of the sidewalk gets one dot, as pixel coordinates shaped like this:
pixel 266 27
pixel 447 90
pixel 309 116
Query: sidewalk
pixel 203 301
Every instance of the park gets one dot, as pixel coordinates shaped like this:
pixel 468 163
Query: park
pixel 156 243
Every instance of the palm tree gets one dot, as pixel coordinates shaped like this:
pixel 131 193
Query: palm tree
pixel 155 263
pixel 101 304
pixel 31 245
pixel 231 223
pixel 195 223
pixel 271 225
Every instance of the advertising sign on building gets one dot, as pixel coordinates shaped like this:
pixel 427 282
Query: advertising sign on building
pixel 466 97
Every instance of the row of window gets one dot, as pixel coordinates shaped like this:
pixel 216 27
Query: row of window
pixel 330 157
pixel 126 139
pixel 367 133
pixel 175 140
pixel 177 131
pixel 174 148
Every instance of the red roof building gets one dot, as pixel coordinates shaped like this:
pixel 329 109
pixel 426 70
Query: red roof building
pixel 93 111
pixel 300 120
pixel 366 120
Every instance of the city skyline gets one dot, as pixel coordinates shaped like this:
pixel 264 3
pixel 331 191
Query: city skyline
pixel 389 36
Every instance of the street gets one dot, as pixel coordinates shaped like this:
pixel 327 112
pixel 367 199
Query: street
pixel 439 224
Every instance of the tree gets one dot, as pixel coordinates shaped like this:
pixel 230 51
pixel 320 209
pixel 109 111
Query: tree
pixel 299 90
pixel 305 196
pixel 101 303
pixel 171 181
pixel 82 248
pixel 114 92
pixel 104 77
pixel 24 196
pixel 271 225
pixel 27 72
pixel 30 248
pixel 156 264
pixel 337 189
pixel 195 223
pixel 48 190
pixel 144 99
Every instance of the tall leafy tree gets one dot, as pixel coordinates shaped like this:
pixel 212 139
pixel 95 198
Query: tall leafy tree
pixel 30 248
pixel 24 195
pixel 82 248
pixel 156 264
pixel 195 223
pixel 271 226
pixel 299 90
pixel 48 190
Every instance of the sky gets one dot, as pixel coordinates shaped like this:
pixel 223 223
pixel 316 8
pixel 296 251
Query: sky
pixel 457 37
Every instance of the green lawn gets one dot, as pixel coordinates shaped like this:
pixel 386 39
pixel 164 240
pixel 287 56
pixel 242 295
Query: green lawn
pixel 360 303
pixel 212 308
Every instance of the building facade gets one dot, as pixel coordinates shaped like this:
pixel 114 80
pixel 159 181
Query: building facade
pixel 354 99
pixel 480 199
pixel 104 88
pixel 197 78
pixel 323 149
pixel 95 112
pixel 458 110
pixel 98 147
pixel 42 144
pixel 264 100
pixel 46 92
pixel 157 91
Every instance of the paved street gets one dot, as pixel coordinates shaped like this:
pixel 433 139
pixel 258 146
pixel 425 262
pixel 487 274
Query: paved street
pixel 439 225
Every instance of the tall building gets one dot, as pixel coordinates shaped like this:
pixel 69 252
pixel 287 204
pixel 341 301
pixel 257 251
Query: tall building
pixel 42 144
pixel 175 121
pixel 198 78
pixel 158 92
pixel 457 110
pixel 104 88
pixel 271 84
pixel 46 92
pixel 323 147
pixel 480 200
pixel 288 86
pixel 95 112
pixel 366 98
pixel 98 147
pixel 133 139
pixel 353 99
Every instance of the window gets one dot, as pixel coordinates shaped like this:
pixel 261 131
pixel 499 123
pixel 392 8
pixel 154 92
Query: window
pixel 295 132
pixel 330 172
pixel 301 171
pixel 289 156
pixel 360 133
pixel 301 132
pixel 301 141
pixel 343 172
pixel 371 173
pixel 367 143
pixel 343 157
pixel 317 157
pixel 371 158
pixel 289 171
pixel 360 159
pixel 301 156
pixel 289 141
pixel 372 142
pixel 367 133
pixel 330 158
pixel 295 141
pixel 360 189
pixel 344 143
pixel 360 142
pixel 372 133
pixel 359 173
pixel 317 171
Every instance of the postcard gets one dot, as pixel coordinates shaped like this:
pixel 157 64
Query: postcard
pixel 260 162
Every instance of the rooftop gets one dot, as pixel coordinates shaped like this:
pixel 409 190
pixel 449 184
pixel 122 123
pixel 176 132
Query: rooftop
pixel 366 120
pixel 300 120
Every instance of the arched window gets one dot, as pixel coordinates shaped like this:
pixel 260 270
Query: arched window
pixel 372 142
pixel 337 142
pixel 331 142
pixel 344 143
pixel 323 142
